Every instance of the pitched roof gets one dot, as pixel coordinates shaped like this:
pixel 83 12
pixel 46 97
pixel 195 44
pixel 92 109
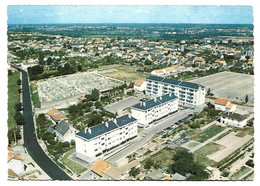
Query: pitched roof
pixel 12 155
pixel 106 127
pixel 52 111
pixel 100 166
pixel 155 78
pixel 221 101
pixel 154 102
pixel 170 68
pixel 178 176
pixel 233 115
pixel 158 71
pixel 230 105
pixel 155 175
pixel 62 127
pixel 113 172
pixel 139 83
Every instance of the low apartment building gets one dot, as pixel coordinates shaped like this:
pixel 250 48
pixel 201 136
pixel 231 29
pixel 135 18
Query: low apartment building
pixel 147 112
pixel 95 140
pixel 190 94
pixel 224 105
pixel 233 119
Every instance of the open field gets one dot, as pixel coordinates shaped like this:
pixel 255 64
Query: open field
pixel 231 142
pixel 229 85
pixel 245 131
pixel 201 155
pixel 13 98
pixel 204 135
pixel 78 169
pixel 190 145
pixel 126 74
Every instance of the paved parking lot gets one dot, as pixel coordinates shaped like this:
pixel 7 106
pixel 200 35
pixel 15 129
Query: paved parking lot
pixel 229 85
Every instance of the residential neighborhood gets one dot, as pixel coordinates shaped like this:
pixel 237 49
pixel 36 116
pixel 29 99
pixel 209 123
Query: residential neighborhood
pixel 168 102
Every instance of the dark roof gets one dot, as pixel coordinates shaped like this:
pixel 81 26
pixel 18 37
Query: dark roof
pixel 171 81
pixel 62 127
pixel 102 128
pixel 155 78
pixel 154 102
pixel 175 82
pixel 50 130
pixel 233 115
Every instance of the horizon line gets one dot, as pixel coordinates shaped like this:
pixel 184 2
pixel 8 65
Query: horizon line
pixel 131 23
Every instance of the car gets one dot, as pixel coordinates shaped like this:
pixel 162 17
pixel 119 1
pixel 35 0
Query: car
pixel 190 115
pixel 177 123
pixel 144 134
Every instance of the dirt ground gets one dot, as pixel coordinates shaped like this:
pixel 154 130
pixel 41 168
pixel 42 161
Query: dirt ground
pixel 231 142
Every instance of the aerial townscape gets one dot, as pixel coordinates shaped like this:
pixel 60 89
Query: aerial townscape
pixel 130 101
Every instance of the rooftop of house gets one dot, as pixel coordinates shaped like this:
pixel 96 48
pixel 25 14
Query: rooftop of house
pixel 234 116
pixel 106 127
pixel 139 83
pixel 155 175
pixel 100 166
pixel 62 127
pixel 154 102
pixel 221 101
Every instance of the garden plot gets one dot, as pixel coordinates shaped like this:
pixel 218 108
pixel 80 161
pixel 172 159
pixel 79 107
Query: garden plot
pixel 190 145
pixel 231 142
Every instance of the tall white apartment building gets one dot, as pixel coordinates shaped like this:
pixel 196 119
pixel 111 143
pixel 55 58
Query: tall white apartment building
pixel 95 140
pixel 146 112
pixel 190 94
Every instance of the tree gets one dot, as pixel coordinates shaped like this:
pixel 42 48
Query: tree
pixel 148 164
pixel 246 99
pixel 19 82
pixel 134 171
pixel 208 92
pixel 95 94
pixel 18 117
pixel 10 72
pixel 18 106
pixel 79 67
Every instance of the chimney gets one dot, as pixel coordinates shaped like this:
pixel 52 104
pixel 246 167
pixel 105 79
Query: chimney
pixel 170 94
pixel 114 120
pixel 144 103
pixel 106 123
pixel 89 130
pixel 160 97
pixel 130 116
pixel 154 99
pixel 86 130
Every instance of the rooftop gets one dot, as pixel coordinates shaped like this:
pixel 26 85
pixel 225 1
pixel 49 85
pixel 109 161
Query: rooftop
pixel 154 102
pixel 233 115
pixel 100 166
pixel 221 101
pixel 62 127
pixel 106 127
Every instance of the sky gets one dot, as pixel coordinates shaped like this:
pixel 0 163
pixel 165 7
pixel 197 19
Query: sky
pixel 129 14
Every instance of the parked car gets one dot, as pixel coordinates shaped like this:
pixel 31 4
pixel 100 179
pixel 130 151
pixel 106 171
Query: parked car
pixel 144 134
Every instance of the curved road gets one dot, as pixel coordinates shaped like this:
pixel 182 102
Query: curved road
pixel 30 142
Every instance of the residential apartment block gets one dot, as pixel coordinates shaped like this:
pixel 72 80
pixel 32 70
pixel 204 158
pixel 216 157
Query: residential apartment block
pixel 190 94
pixel 95 140
pixel 146 112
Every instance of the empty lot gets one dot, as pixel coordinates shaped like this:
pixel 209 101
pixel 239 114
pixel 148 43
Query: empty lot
pixel 231 143
pixel 229 85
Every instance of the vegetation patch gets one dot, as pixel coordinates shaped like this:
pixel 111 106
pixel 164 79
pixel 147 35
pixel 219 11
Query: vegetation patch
pixel 245 131
pixel 241 172
pixel 201 154
pixel 204 135
pixel 35 100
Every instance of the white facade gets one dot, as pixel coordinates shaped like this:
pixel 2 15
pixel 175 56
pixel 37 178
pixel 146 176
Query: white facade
pixel 190 94
pixel 139 86
pixel 154 109
pixel 95 140
pixel 233 119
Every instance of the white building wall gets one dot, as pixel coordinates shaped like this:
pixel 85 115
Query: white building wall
pixel 88 149
pixel 220 107
pixel 232 122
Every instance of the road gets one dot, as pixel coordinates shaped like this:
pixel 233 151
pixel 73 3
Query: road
pixel 151 130
pixel 30 142
pixel 119 106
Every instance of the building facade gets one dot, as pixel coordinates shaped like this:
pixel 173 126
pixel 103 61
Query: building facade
pixel 146 112
pixel 190 94
pixel 233 119
pixel 95 140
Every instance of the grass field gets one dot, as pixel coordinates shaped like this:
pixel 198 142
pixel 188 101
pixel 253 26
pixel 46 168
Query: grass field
pixel 204 135
pixel 13 98
pixel 240 173
pixel 245 131
pixel 35 100
pixel 126 74
pixel 78 169
pixel 200 155
pixel 163 158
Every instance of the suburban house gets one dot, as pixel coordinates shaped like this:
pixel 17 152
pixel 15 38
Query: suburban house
pixel 224 105
pixel 56 116
pixel 15 164
pixel 199 61
pixel 190 94
pixel 95 140
pixel 233 119
pixel 64 132
pixel 139 86
pixel 155 175
pixel 146 112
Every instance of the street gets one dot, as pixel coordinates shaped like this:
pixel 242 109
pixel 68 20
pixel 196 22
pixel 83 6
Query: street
pixel 30 142
pixel 151 130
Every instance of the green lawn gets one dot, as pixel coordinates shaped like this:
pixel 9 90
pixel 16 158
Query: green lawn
pixel 126 74
pixel 77 168
pixel 204 135
pixel 163 158
pixel 200 155
pixel 35 100
pixel 13 98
